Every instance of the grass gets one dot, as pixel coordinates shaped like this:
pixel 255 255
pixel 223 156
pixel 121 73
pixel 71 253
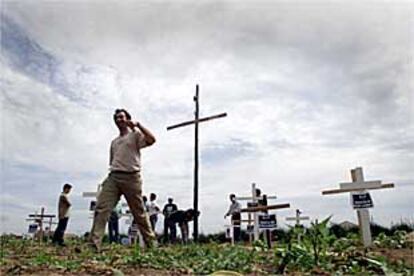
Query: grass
pixel 318 252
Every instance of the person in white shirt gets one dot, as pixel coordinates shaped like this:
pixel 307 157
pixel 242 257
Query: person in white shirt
pixel 153 210
pixel 234 211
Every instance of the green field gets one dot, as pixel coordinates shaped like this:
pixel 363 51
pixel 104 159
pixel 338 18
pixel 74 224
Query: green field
pixel 319 252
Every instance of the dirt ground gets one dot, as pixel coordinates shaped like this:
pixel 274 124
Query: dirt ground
pixel 406 255
pixel 396 256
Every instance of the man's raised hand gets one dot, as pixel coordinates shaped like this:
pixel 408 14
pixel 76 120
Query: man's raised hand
pixel 131 124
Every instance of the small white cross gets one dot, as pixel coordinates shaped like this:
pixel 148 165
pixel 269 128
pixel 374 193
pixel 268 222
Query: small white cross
pixel 359 185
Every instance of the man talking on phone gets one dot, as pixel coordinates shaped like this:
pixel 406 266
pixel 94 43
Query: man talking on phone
pixel 124 178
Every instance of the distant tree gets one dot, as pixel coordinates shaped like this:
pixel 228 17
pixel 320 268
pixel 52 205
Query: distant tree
pixel 402 226
pixel 376 229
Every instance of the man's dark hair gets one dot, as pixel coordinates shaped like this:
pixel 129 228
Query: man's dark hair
pixel 67 186
pixel 232 196
pixel 122 110
pixel 258 192
pixel 190 214
pixel 153 196
pixel 144 198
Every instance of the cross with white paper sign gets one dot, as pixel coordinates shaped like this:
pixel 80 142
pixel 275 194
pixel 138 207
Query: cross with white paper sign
pixel 254 199
pixel 39 220
pixel 254 210
pixel 361 200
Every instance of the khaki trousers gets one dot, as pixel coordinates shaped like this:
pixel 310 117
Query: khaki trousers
pixel 130 186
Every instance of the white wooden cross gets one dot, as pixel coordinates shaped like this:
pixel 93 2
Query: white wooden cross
pixel 38 219
pixel 358 185
pixel 93 194
pixel 254 210
pixel 297 218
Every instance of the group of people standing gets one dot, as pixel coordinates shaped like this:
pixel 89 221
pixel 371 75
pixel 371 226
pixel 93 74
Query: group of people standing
pixel 153 210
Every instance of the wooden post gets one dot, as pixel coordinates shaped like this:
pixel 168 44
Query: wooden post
pixel 195 192
pixel 42 213
pixel 196 122
pixel 363 214
pixel 255 217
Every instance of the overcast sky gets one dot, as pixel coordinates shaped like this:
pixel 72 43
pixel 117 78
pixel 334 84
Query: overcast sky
pixel 312 90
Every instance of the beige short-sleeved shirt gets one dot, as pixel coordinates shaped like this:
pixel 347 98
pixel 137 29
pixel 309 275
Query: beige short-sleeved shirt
pixel 125 152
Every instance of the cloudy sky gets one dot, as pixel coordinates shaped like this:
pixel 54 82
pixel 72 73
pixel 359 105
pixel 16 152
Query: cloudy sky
pixel 312 90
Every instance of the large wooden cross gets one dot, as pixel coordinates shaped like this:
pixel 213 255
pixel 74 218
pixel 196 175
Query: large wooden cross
pixel 361 200
pixel 195 122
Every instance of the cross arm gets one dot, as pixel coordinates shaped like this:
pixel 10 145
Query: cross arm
pixel 41 216
pixel 243 220
pixel 199 120
pixel 89 194
pixel 338 191
pixel 300 218
pixel 250 198
pixel 264 208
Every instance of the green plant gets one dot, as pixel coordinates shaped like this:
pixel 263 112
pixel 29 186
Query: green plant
pixel 317 239
pixel 397 240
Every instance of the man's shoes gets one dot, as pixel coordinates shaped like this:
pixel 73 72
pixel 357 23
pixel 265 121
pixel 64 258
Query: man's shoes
pixel 151 244
pixel 57 243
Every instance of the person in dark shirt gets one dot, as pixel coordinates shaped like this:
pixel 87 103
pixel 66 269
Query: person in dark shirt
pixel 169 226
pixel 113 224
pixel 183 218
pixel 145 203
pixel 263 202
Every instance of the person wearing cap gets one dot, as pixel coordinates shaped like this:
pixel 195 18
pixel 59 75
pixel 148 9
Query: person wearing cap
pixel 169 225
pixel 63 213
